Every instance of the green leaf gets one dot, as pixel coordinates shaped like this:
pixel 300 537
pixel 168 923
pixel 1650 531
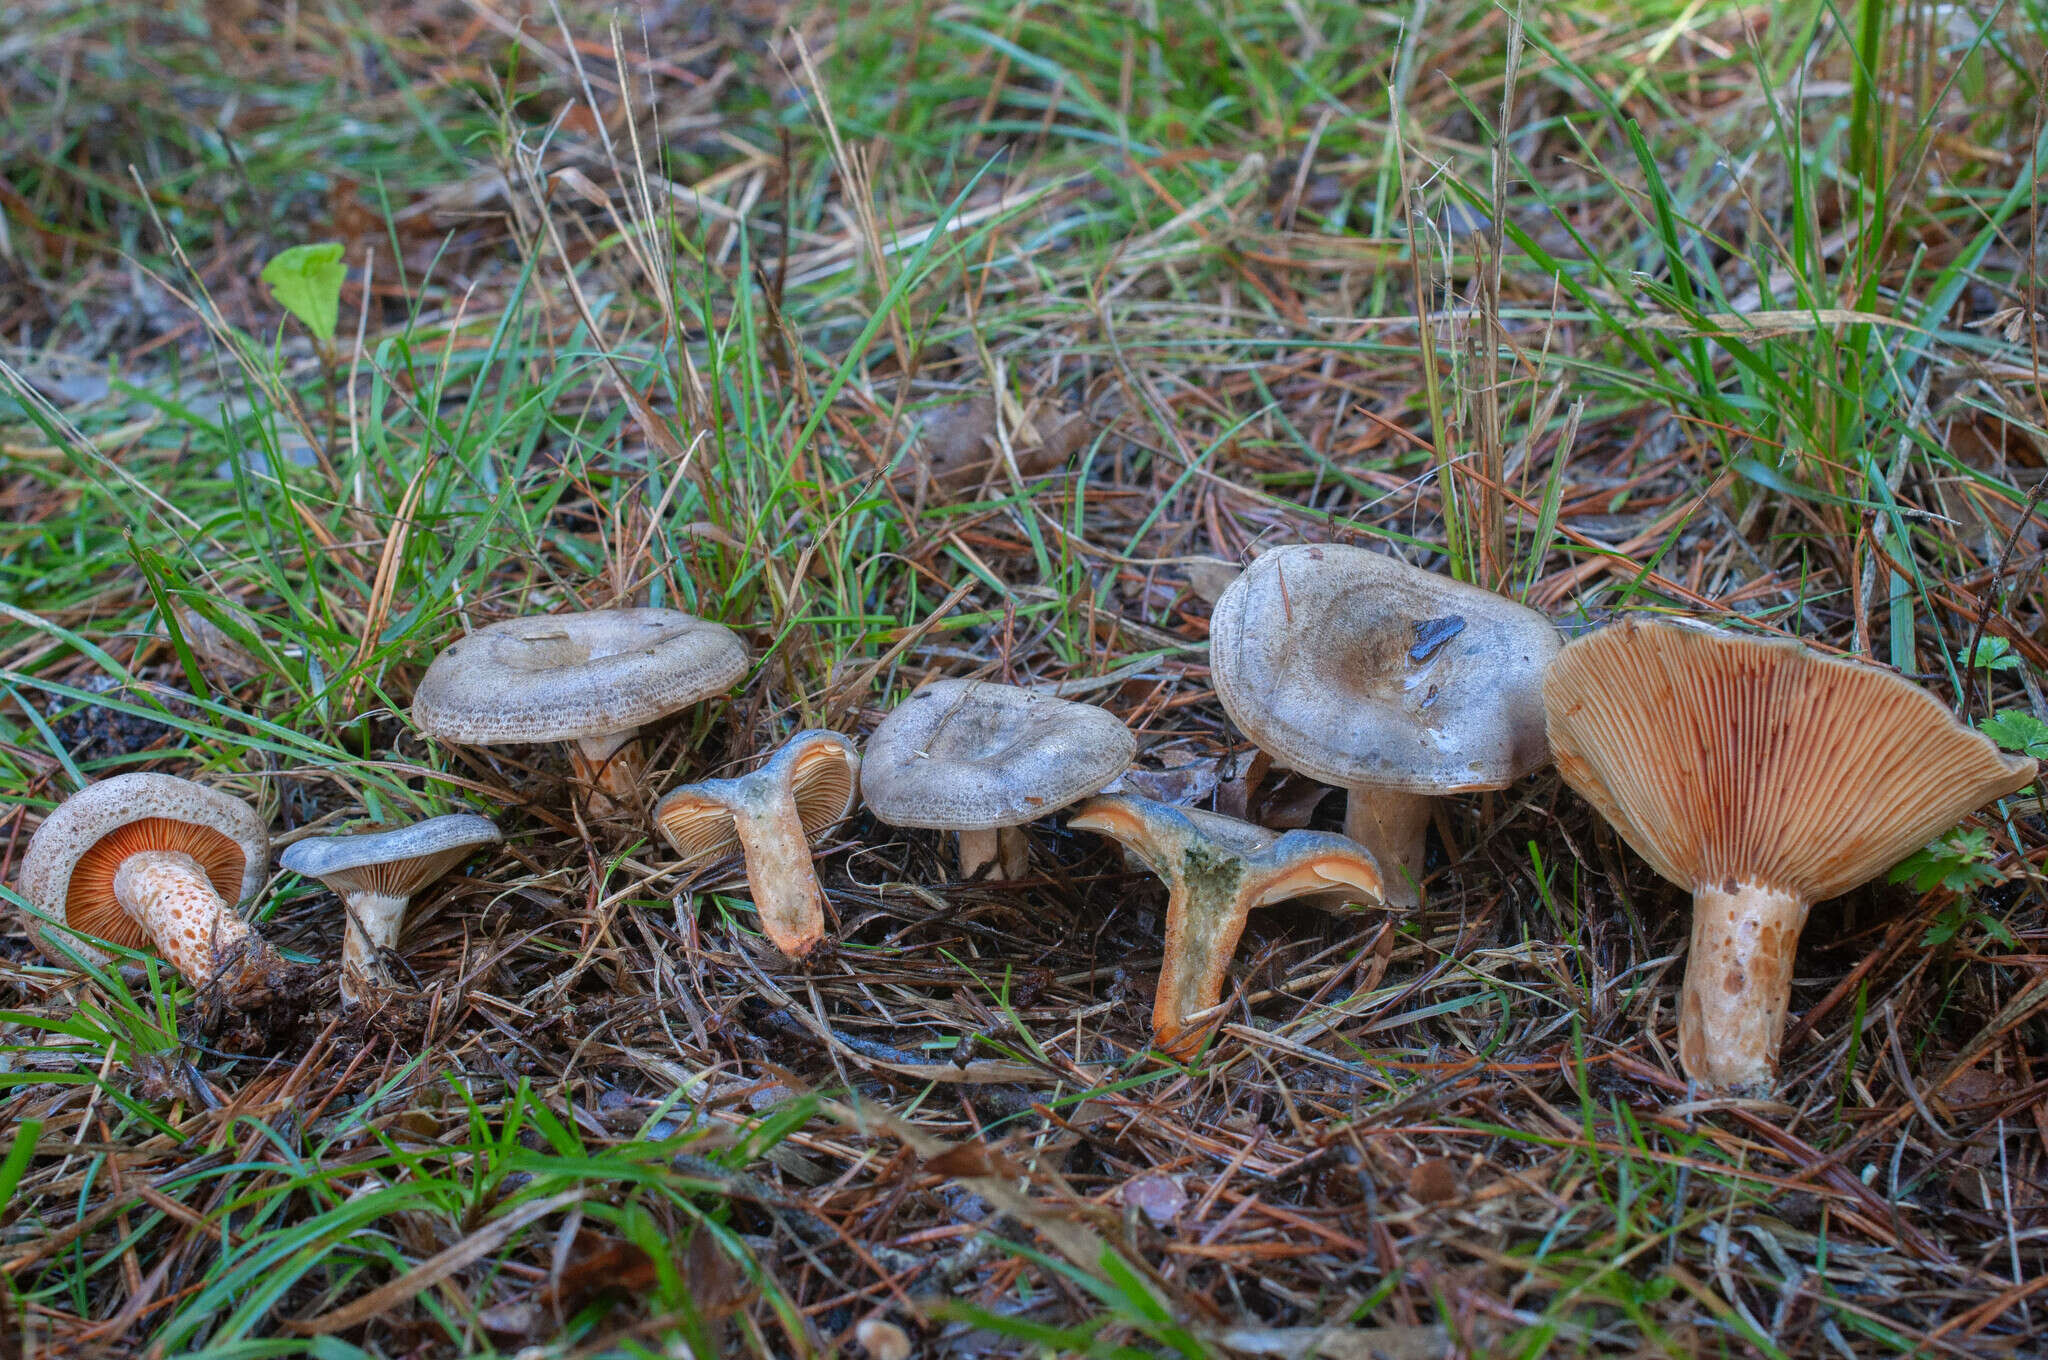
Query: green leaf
pixel 1958 863
pixel 1993 654
pixel 2019 731
pixel 306 281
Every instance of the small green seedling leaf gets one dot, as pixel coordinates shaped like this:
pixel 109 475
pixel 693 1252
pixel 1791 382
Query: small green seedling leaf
pixel 306 281
pixel 2016 730
pixel 1993 654
pixel 1959 862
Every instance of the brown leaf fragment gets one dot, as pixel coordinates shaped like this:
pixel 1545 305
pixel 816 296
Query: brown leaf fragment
pixel 1159 1198
pixel 1433 1182
pixel 882 1340
pixel 958 450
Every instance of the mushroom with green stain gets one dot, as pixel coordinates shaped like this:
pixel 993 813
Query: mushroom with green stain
pixel 1217 869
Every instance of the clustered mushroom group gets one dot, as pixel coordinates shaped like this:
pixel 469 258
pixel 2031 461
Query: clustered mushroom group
pixel 1757 774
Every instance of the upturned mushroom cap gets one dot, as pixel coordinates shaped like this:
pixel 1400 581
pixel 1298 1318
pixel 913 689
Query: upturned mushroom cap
pixel 391 863
pixel 1364 672
pixel 68 872
pixel 569 677
pixel 1764 777
pixel 971 755
pixel 819 770
pixel 771 815
pixel 1217 870
pixel 1726 760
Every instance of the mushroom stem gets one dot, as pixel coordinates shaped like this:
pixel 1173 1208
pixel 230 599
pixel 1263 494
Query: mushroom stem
pixel 170 896
pixel 779 871
pixel 1738 984
pixel 1394 826
pixel 374 920
pixel 1205 918
pixel 608 769
pixel 1007 848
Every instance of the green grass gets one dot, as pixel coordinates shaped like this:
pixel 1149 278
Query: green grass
pixel 1503 354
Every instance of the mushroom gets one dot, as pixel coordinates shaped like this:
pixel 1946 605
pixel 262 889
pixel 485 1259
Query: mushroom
pixel 591 680
pixel 771 815
pixel 1763 777
pixel 376 875
pixel 1216 870
pixel 1395 684
pixel 154 862
pixel 983 759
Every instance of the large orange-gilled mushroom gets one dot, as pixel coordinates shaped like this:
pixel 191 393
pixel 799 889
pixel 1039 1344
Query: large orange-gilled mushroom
pixel 1217 869
pixel 1763 777
pixel 770 816
pixel 153 862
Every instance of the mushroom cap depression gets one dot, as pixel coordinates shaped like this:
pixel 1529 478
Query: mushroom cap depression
pixel 569 677
pixel 1726 760
pixel 1364 672
pixel 68 872
pixel 391 863
pixel 972 755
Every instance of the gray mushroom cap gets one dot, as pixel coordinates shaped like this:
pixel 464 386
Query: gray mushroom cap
pixel 972 755
pixel 394 863
pixel 569 677
pixel 1362 671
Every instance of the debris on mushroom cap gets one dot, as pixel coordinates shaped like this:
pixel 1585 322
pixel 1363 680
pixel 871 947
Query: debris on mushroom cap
pixel 1724 759
pixel 970 755
pixel 1361 671
pixel 68 871
pixel 819 769
pixel 566 677
pixel 391 863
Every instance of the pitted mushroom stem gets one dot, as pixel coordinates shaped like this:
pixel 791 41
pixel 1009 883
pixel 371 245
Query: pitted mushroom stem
pixel 171 898
pixel 1738 984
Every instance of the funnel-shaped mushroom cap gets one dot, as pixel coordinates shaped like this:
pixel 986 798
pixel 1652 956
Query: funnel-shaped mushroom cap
pixel 1727 760
pixel 970 755
pixel 68 872
pixel 1218 869
pixel 818 771
pixel 771 815
pixel 1361 671
pixel 571 677
pixel 391 863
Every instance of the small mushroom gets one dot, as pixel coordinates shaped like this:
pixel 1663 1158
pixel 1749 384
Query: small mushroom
pixel 1216 870
pixel 770 816
pixel 154 862
pixel 591 680
pixel 1395 684
pixel 1763 777
pixel 983 759
pixel 376 876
